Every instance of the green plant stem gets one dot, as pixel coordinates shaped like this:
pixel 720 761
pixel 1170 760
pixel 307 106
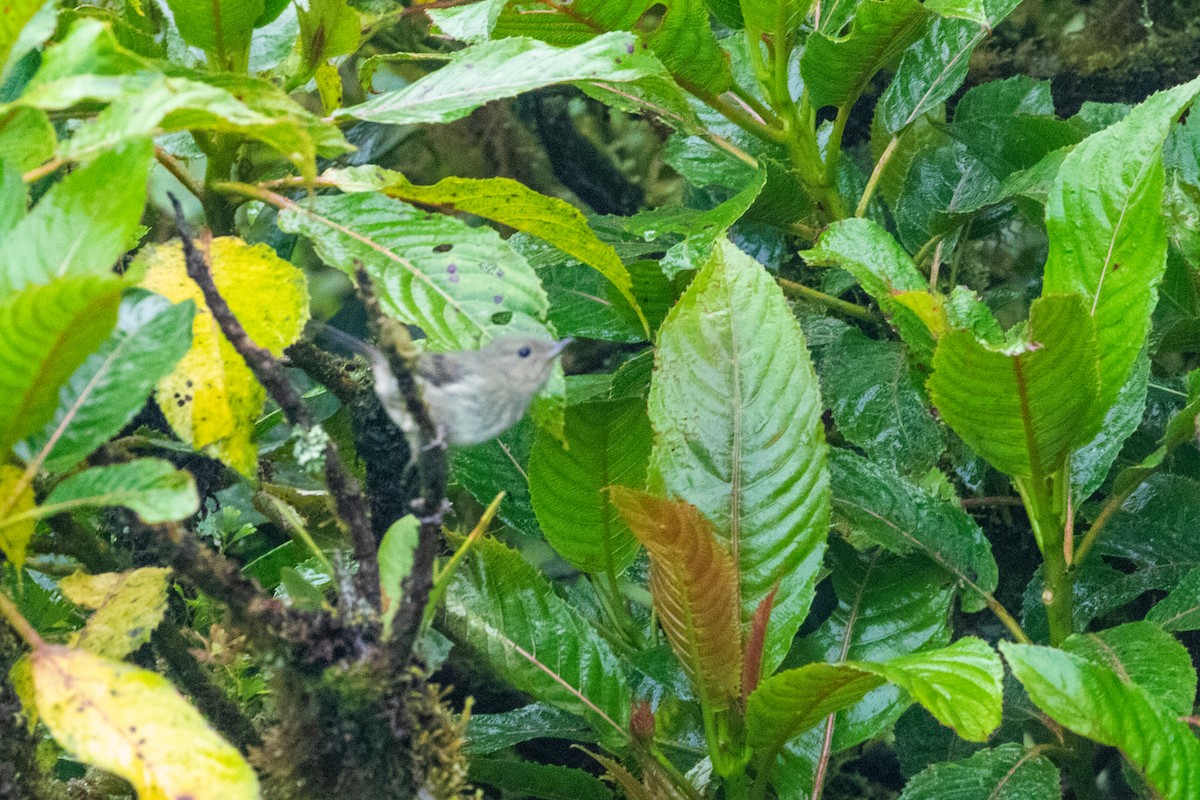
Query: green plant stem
pixel 925 248
pixel 737 115
pixel 9 610
pixel 1049 527
pixel 755 105
pixel 827 300
pixel 833 151
pixel 1110 508
pixel 218 212
pixel 885 157
pixel 172 165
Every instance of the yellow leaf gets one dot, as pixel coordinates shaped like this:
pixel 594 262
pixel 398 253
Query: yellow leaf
pixel 133 723
pixel 211 399
pixel 128 607
pixel 694 586
pixel 928 307
pixel 15 537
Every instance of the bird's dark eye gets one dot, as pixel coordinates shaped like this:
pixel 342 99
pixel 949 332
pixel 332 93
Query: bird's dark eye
pixel 524 352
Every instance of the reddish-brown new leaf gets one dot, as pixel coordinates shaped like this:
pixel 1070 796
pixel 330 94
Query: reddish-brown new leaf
pixel 694 587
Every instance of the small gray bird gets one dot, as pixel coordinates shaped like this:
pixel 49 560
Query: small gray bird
pixel 473 395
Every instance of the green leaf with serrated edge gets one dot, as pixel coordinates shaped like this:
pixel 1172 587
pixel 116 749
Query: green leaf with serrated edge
pixel 487 733
pixel 1007 772
pixel 501 465
pixel 53 328
pixel 395 563
pixel 26 138
pixel 536 780
pixel 433 271
pixel 506 614
pixel 680 34
pixel 836 69
pixel 105 393
pixel 151 487
pixel 879 506
pixel 83 224
pixel 1091 463
pixel 471 23
pixel 1010 124
pixel 887 606
pixel 1025 406
pixel 1107 236
pixel 735 408
pixel 882 268
pixel 127 607
pixel 930 71
pixel 328 29
pixel 133 723
pixel 221 28
pixel 987 13
pixel 584 304
pixel 607 444
pixel 878 404
pixel 770 16
pixel 960 685
pixel 1180 609
pixel 1094 702
pixel 693 583
pixel 793 701
pixel 144 100
pixel 509 203
pixel 1154 530
pixel 506 68
pixel 1143 654
pixel 942 184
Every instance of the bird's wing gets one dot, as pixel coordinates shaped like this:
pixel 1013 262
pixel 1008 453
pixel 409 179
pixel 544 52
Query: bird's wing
pixel 438 370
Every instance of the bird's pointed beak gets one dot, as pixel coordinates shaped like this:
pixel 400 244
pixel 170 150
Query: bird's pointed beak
pixel 560 346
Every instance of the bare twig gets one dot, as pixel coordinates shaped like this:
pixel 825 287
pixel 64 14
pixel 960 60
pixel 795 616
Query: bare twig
pixel 433 469
pixel 348 499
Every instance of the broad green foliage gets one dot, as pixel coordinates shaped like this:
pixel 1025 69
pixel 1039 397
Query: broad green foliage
pixel 151 487
pixel 1093 700
pixel 150 338
pixel 735 408
pixel 434 272
pixel 836 69
pixel 16 494
pixel 1005 773
pixel 969 671
pixel 1025 405
pixel 48 331
pixel 879 406
pixel 508 203
pixel 607 444
pixel 134 723
pixel 891 512
pixel 681 37
pixel 886 607
pixel 505 613
pixel 83 225
pixel 877 261
pixel 506 68
pixel 667 562
pixel 1104 223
